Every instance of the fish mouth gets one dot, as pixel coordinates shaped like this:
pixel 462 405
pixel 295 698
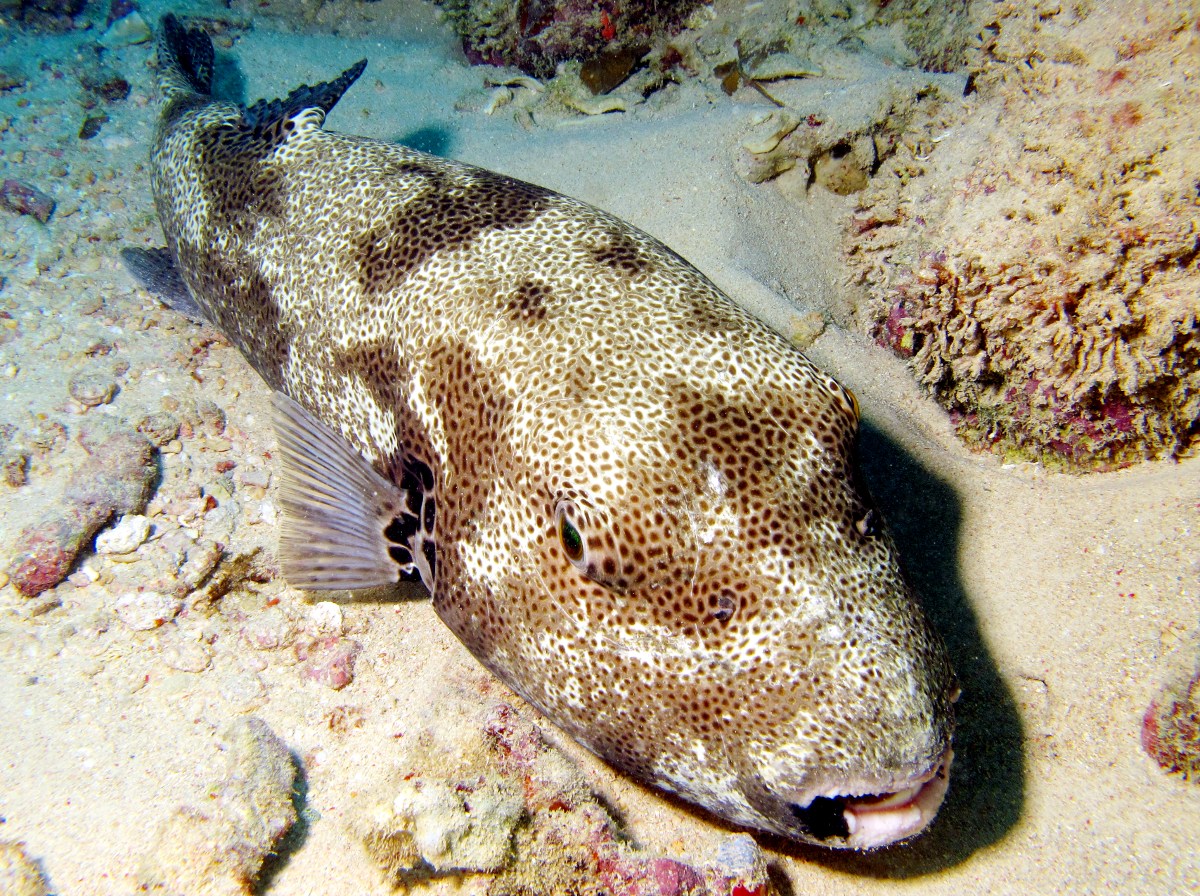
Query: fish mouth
pixel 872 820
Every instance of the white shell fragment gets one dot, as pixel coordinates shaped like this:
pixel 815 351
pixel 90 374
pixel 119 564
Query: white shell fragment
pixel 325 620
pixel 778 66
pixel 595 105
pixel 515 81
pixel 130 532
pixel 128 30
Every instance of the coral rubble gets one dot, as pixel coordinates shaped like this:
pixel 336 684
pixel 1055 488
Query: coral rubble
pixel 116 479
pixel 1051 297
pixel 220 849
pixel 536 35
pixel 502 802
pixel 1171 723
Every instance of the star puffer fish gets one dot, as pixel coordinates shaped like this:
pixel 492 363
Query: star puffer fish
pixel 633 502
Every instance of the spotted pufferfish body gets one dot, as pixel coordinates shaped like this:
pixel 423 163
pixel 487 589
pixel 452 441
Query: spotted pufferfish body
pixel 634 503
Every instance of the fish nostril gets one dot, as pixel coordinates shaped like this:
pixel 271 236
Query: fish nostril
pixel 823 818
pixel 868 526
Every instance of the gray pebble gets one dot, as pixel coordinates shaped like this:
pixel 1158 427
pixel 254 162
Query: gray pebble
pixel 93 389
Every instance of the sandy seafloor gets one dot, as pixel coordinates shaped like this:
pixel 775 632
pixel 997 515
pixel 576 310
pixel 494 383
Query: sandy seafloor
pixel 1065 599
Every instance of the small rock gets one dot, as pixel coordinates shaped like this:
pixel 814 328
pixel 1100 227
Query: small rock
pixel 242 689
pixel 212 418
pixel 46 553
pixel 254 478
pixel 444 827
pixel 220 848
pixel 268 630
pixel 117 478
pixel 15 468
pixel 325 620
pixel 91 126
pixel 26 200
pixel 130 532
pixel 146 610
pixel 92 389
pixel 126 31
pixel 1171 724
pixel 159 428
pixel 330 661
pixel 186 656
pixel 104 83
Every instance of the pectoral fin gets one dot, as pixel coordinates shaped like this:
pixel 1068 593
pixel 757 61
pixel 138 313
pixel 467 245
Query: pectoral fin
pixel 337 511
pixel 155 270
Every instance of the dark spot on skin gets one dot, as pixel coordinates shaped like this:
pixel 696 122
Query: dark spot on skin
pixel 398 531
pixel 388 378
pixel 528 301
pixel 711 318
pixel 475 411
pixel 256 325
pixel 414 527
pixel 239 184
pixel 621 253
pixel 447 215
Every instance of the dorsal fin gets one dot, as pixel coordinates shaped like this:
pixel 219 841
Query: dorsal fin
pixel 319 96
pixel 185 61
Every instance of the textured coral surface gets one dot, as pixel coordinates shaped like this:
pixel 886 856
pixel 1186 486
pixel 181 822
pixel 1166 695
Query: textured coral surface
pixel 536 35
pixel 1050 298
pixel 1171 723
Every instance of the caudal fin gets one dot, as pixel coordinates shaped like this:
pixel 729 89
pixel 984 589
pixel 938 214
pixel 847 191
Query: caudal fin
pixel 185 62
pixel 185 59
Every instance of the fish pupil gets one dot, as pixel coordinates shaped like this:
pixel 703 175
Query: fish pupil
pixel 572 541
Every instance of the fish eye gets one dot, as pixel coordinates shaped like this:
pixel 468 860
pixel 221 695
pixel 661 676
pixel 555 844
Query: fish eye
pixel 569 536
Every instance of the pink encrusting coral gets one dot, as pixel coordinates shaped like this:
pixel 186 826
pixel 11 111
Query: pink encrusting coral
pixel 116 479
pixel 536 35
pixel 1051 299
pixel 1171 724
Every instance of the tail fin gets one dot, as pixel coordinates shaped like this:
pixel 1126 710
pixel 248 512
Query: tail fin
pixel 185 64
pixel 185 60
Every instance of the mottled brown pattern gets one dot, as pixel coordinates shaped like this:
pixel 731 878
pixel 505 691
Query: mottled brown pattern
pixel 621 251
pixel 727 631
pixel 445 215
pixel 264 337
pixel 229 154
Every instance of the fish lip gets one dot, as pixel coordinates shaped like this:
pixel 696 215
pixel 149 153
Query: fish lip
pixel 865 817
